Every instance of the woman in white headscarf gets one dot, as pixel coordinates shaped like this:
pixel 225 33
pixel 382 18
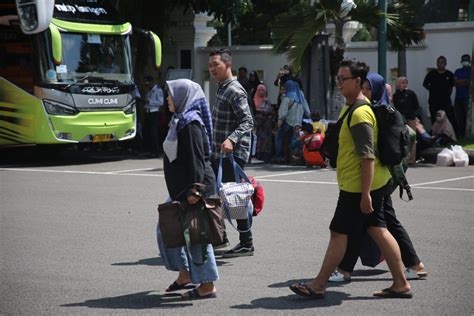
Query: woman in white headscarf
pixel 442 130
pixel 186 162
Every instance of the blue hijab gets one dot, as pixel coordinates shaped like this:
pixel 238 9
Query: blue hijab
pixel 293 91
pixel 379 91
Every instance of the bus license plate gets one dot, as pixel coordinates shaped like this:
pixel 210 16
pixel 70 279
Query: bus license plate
pixel 101 138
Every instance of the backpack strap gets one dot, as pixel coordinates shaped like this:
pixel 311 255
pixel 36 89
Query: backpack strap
pixel 353 107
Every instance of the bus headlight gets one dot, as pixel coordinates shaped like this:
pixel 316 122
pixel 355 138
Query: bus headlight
pixel 130 108
pixel 56 108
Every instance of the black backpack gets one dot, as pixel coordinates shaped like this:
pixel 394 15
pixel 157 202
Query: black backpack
pixel 330 146
pixel 393 145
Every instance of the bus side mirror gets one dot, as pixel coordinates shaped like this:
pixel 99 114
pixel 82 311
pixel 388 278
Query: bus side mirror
pixel 156 49
pixel 34 15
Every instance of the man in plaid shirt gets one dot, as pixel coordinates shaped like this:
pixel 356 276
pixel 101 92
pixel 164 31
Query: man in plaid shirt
pixel 232 125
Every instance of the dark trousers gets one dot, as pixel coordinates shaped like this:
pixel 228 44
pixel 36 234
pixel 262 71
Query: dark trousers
pixel 283 136
pixel 152 132
pixel 409 256
pixel 228 176
pixel 460 113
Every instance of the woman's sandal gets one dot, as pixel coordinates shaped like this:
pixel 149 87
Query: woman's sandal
pixel 302 289
pixel 194 295
pixel 389 293
pixel 175 286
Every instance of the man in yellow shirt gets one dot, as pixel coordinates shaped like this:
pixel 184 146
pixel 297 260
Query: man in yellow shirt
pixel 362 183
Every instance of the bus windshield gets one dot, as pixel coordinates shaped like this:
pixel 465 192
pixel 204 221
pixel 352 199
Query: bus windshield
pixel 101 57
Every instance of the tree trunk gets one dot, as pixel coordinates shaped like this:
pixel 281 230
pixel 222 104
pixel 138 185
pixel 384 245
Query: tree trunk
pixel 402 63
pixel 470 110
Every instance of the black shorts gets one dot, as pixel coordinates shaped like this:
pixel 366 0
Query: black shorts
pixel 348 218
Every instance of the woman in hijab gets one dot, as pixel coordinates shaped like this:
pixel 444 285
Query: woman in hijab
pixel 406 102
pixel 254 81
pixel 442 131
pixel 290 114
pixel 374 89
pixel 186 162
pixel 263 123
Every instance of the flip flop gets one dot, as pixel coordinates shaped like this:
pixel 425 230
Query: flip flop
pixel 422 273
pixel 194 295
pixel 309 293
pixel 175 286
pixel 389 293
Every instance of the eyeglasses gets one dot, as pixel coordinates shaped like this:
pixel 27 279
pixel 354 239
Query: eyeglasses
pixel 342 79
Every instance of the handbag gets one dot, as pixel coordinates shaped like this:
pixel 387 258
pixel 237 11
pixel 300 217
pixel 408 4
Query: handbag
pixel 236 197
pixel 204 222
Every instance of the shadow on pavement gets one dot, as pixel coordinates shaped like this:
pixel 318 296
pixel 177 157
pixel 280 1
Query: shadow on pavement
pixel 157 261
pixel 295 302
pixel 45 156
pixel 369 272
pixel 141 300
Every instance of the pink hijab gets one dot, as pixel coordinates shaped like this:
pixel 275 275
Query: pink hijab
pixel 260 97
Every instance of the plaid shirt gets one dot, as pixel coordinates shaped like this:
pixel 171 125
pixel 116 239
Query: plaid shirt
pixel 232 119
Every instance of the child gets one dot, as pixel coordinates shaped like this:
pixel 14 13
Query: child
pixel 312 144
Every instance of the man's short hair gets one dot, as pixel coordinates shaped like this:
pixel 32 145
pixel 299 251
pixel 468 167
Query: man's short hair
pixel 148 79
pixel 466 57
pixel 225 54
pixel 441 57
pixel 242 68
pixel 357 68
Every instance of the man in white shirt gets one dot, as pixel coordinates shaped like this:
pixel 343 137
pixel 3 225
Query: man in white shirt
pixel 153 101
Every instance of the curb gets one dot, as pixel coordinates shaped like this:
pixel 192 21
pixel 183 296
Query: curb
pixel 430 155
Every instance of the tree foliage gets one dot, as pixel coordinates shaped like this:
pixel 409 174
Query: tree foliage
pixel 295 29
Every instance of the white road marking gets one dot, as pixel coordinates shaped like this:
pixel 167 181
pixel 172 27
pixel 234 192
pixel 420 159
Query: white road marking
pixel 445 189
pixel 130 170
pixel 295 181
pixel 261 178
pixel 284 174
pixel 113 173
pixel 441 181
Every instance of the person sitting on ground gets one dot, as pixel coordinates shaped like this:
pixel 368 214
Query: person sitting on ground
pixel 312 143
pixel 442 131
pixel 296 145
pixel 317 124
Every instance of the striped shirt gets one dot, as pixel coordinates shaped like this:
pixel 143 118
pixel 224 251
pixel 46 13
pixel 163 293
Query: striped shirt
pixel 232 119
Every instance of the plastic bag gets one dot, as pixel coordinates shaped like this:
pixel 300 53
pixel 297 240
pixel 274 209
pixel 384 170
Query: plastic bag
pixel 445 158
pixel 460 157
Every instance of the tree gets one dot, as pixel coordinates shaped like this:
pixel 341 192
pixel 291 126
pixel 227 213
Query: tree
pixel 408 16
pixel 294 30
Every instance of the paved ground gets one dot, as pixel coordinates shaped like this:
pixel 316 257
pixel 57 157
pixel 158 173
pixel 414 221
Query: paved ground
pixel 77 236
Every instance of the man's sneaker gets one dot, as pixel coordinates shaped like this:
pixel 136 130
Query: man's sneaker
pixel 411 274
pixel 223 245
pixel 337 276
pixel 239 251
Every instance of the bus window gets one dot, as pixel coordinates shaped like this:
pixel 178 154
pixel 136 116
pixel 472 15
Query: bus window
pixel 16 63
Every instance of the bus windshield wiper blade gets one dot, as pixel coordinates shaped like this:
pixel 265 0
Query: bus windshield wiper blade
pixel 78 80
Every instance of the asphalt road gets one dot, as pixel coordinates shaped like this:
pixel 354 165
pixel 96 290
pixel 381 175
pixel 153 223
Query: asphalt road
pixel 77 236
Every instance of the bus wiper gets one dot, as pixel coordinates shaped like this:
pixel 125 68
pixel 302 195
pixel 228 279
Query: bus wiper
pixel 78 80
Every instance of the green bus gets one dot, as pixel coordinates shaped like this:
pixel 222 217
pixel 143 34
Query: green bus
pixel 71 83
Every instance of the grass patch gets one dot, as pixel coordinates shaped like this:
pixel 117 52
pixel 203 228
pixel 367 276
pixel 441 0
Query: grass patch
pixel 466 143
